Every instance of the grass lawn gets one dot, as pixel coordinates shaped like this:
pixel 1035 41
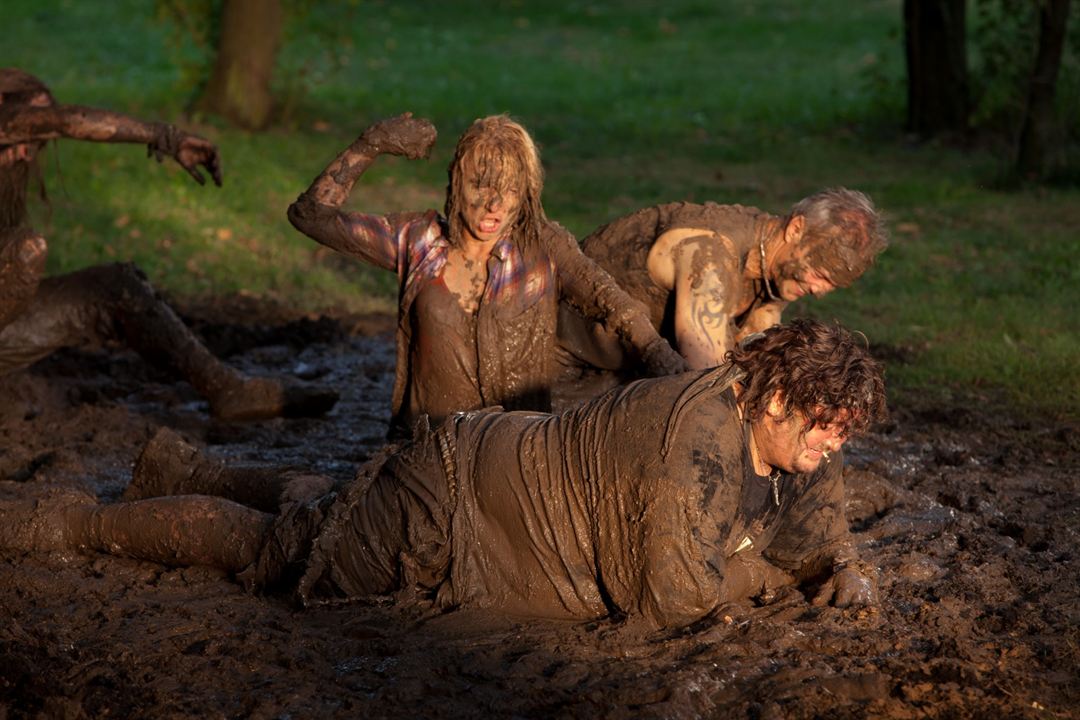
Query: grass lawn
pixel 633 103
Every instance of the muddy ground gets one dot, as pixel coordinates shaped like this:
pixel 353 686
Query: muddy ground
pixel 973 519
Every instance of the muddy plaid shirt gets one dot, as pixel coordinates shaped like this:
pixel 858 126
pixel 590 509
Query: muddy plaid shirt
pixel 415 247
pixel 516 321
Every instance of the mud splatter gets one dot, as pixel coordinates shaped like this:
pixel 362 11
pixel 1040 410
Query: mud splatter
pixel 972 518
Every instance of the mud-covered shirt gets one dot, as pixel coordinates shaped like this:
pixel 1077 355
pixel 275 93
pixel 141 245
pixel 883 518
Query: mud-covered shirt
pixel 633 502
pixel 516 320
pixel 444 345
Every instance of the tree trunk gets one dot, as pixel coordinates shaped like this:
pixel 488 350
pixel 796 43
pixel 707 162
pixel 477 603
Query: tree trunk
pixel 239 85
pixel 1039 114
pixel 936 52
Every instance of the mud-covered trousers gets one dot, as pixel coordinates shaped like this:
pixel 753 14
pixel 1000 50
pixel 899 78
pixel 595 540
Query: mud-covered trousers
pixel 388 529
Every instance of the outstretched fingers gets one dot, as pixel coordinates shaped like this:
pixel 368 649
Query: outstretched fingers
pixel 193 171
pixel 213 165
pixel 199 152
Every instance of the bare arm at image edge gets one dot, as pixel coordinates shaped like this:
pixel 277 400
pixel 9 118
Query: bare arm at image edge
pixel 38 124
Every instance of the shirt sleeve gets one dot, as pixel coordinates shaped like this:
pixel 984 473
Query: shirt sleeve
pixel 381 240
pixel 595 294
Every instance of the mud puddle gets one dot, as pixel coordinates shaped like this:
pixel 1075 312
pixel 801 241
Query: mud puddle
pixel 972 518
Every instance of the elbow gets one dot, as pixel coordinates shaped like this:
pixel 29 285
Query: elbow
pixel 309 217
pixel 299 214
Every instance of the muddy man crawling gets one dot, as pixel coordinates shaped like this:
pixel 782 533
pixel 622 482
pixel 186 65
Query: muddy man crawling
pixel 108 302
pixel 664 499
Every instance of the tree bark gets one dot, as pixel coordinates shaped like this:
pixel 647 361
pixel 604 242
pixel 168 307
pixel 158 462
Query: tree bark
pixel 239 85
pixel 1039 113
pixel 936 52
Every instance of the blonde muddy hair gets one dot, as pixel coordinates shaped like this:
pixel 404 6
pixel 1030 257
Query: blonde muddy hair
pixel 498 153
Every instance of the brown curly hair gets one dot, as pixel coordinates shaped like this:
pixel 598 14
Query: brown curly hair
pixel 820 370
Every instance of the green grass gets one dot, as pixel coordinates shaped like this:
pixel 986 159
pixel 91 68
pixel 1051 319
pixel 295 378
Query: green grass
pixel 633 103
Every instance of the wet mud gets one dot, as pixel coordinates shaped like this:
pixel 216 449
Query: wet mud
pixel 973 519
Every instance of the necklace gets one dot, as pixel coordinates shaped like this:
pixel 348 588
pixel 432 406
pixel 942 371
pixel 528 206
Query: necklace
pixel 764 276
pixel 774 474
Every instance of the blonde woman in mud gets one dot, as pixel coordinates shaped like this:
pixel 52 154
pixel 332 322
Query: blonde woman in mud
pixel 108 302
pixel 665 499
pixel 479 286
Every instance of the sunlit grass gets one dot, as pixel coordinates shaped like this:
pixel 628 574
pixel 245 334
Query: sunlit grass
pixel 633 104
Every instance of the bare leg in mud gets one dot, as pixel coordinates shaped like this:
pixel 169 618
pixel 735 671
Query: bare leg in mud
pixel 115 302
pixel 177 531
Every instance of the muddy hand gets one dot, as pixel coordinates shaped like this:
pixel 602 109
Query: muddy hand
pixel 661 360
pixel 847 588
pixel 190 151
pixel 748 575
pixel 195 151
pixel 400 135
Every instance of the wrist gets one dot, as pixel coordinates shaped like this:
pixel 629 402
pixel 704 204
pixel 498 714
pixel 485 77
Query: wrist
pixel 741 579
pixel 165 139
pixel 366 147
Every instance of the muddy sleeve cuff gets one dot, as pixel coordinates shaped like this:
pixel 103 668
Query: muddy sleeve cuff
pixel 166 141
pixel 751 576
pixel 831 557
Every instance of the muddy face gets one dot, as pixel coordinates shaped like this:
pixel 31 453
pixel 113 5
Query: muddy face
pixel 841 259
pixel 14 181
pixel 788 445
pixel 19 152
pixel 797 277
pixel 495 180
pixel 489 212
pixel 492 188
pixel 18 90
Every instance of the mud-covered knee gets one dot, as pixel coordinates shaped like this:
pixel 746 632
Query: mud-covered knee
pixel 125 283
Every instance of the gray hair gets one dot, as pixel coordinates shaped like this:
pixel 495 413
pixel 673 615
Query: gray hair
pixel 844 233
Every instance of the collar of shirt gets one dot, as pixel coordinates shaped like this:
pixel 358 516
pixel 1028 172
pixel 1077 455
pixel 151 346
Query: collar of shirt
pixel 509 275
pixel 504 250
